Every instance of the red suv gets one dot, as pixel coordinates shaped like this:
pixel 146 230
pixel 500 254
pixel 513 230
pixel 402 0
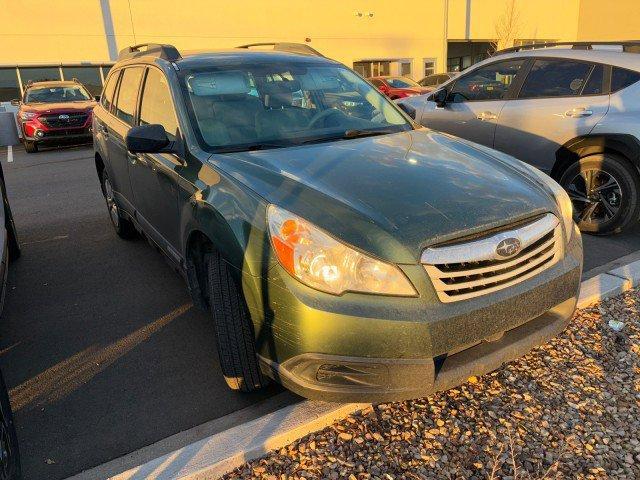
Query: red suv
pixel 55 112
pixel 398 87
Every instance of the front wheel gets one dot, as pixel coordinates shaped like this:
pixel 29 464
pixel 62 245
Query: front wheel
pixel 605 191
pixel 122 225
pixel 234 330
pixel 30 147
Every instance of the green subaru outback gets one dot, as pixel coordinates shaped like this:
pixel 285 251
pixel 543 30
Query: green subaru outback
pixel 340 248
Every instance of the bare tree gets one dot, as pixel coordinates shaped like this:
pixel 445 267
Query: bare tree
pixel 507 27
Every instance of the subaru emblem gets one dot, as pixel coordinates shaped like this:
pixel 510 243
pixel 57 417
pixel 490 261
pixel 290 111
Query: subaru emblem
pixel 508 247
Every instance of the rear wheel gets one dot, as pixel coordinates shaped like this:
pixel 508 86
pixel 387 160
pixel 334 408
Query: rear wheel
pixel 605 191
pixel 234 330
pixel 30 147
pixel 122 225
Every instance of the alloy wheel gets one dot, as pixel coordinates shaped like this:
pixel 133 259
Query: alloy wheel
pixel 596 196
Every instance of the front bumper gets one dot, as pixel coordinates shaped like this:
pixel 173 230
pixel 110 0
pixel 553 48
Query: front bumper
pixel 360 348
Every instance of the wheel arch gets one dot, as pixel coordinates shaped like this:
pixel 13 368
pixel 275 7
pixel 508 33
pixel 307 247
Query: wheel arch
pixel 625 145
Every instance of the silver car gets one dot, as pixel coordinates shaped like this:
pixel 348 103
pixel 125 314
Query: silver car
pixel 572 110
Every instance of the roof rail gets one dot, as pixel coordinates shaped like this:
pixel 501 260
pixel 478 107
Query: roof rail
pixel 300 48
pixel 164 51
pixel 631 46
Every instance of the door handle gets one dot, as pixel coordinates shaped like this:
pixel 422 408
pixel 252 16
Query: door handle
pixel 578 112
pixel 487 116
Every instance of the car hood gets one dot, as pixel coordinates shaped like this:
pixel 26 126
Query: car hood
pixel 59 107
pixel 392 195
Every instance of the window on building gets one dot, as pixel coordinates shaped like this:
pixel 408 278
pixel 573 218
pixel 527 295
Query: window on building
pixel 37 74
pixel 128 94
pixel 157 106
pixel 88 76
pixel 429 66
pixel 9 88
pixel 486 83
pixel 622 78
pixel 555 78
pixel 373 68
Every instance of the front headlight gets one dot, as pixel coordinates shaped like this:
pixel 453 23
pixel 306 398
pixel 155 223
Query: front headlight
pixel 27 115
pixel 322 262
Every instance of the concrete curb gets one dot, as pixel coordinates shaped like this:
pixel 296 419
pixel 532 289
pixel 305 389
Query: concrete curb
pixel 212 457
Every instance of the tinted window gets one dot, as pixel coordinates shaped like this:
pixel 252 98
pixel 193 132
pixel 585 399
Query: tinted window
pixel 88 76
pixel 9 88
pixel 486 83
pixel 401 82
pixel 107 96
pixel 37 74
pixel 555 78
pixel 594 84
pixel 622 78
pixel 429 81
pixel 157 106
pixel 128 94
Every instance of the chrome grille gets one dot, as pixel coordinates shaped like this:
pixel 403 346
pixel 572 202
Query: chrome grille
pixel 70 120
pixel 474 268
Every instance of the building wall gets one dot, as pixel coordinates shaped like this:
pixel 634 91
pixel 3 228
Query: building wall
pixel 613 20
pixel 73 31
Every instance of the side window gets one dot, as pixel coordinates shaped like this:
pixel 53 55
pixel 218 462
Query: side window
pixel 157 106
pixel 490 82
pixel 128 94
pixel 107 96
pixel 622 78
pixel 595 82
pixel 555 78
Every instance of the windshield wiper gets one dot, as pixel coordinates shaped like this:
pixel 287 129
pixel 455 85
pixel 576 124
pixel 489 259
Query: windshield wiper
pixel 357 133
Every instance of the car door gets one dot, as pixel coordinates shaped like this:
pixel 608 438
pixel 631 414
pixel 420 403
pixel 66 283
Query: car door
pixel 559 100
pixel 118 125
pixel 153 176
pixel 474 102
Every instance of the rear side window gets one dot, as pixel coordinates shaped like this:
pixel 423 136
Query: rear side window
pixel 486 83
pixel 595 82
pixel 128 94
pixel 622 78
pixel 555 78
pixel 156 106
pixel 107 96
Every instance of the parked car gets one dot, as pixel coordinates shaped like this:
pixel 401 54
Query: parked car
pixel 55 113
pixel 9 454
pixel 398 87
pixel 436 79
pixel 571 110
pixel 350 256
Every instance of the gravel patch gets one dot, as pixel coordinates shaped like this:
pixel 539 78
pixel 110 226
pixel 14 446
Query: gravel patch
pixel 569 409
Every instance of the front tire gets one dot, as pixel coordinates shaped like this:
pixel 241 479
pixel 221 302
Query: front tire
pixel 234 330
pixel 30 147
pixel 121 224
pixel 605 191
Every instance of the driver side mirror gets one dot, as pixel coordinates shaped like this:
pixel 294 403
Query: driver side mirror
pixel 147 139
pixel 440 97
pixel 15 102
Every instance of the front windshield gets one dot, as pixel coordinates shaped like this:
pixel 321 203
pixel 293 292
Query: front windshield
pixel 57 94
pixel 241 107
pixel 402 82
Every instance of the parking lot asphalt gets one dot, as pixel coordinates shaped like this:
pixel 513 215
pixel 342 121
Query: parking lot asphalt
pixel 100 347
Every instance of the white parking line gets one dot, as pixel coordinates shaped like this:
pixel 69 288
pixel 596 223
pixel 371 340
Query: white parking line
pixel 9 154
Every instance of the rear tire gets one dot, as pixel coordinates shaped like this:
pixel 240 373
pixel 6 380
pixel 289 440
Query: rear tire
pixel 234 330
pixel 605 191
pixel 30 147
pixel 121 224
